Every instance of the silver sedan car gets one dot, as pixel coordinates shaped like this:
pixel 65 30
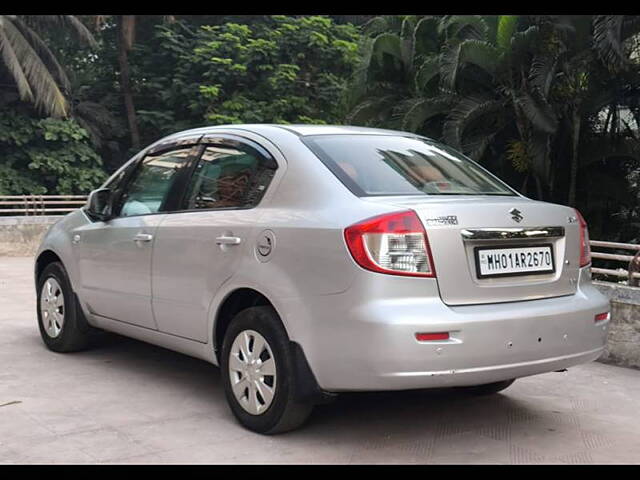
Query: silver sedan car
pixel 311 260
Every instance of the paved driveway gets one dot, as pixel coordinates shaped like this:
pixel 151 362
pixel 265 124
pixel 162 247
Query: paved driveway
pixel 129 402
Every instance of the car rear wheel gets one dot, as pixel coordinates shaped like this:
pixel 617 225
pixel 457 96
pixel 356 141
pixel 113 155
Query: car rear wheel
pixel 62 324
pixel 488 388
pixel 258 373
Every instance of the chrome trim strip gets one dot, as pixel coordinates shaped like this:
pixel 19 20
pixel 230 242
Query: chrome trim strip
pixel 509 233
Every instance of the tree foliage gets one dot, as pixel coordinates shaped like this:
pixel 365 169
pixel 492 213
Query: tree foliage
pixel 46 156
pixel 281 70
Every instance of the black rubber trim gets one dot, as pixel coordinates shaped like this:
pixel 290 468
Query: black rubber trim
pixel 308 390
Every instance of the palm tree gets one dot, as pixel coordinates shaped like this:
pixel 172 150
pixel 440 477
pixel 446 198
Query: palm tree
pixel 30 64
pixel 459 71
pixel 516 86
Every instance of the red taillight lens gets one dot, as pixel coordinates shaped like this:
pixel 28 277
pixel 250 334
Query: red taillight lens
pixel 395 243
pixel 601 317
pixel 585 249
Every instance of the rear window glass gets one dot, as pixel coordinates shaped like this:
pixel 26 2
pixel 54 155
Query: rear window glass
pixel 394 165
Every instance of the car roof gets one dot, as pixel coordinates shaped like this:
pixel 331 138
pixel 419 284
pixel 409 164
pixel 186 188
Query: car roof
pixel 299 130
pixel 304 130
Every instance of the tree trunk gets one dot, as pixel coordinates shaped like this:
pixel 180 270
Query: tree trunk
pixel 575 139
pixel 539 188
pixel 124 44
pixel 523 189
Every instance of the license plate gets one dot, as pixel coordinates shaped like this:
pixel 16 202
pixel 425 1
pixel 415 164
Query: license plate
pixel 502 262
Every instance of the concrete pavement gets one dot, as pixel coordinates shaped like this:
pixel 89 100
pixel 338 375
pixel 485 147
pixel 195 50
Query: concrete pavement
pixel 129 402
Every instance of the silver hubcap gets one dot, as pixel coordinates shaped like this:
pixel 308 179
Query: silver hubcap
pixel 52 307
pixel 252 370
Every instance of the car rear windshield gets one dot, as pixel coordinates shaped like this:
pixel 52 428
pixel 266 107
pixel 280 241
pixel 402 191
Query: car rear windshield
pixel 395 165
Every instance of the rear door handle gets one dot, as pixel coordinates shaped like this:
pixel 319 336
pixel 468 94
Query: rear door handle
pixel 227 240
pixel 143 237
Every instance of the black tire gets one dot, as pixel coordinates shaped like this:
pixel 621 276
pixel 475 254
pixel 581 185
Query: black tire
pixel 488 388
pixel 285 412
pixel 75 333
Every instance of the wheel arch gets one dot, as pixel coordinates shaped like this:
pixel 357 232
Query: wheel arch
pixel 233 303
pixel 308 389
pixel 46 257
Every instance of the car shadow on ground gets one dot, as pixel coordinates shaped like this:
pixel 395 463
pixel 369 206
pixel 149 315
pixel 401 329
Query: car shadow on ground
pixel 442 412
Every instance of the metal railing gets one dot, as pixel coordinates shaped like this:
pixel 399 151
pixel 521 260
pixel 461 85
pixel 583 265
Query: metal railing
pixel 40 204
pixel 23 205
pixel 632 262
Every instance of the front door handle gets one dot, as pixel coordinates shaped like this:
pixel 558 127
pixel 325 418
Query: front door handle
pixel 228 240
pixel 143 237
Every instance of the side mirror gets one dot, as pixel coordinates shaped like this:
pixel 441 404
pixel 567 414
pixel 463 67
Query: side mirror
pixel 99 204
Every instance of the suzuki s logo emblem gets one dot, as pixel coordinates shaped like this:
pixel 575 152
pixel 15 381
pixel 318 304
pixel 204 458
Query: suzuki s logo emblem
pixel 516 215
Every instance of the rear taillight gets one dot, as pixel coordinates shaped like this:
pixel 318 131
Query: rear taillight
pixel 395 243
pixel 585 249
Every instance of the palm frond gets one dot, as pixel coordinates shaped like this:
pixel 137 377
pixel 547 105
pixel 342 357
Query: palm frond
pixel 523 42
pixel 542 72
pixel 507 25
pixel 359 82
pixel 44 90
pixel 607 40
pixel 425 36
pixel 70 22
pixel 565 25
pixel 429 70
pixel 372 109
pixel 449 65
pixel 466 111
pixel 407 42
pixel 463 27
pixel 79 28
pixel 476 52
pixel 480 53
pixel 13 64
pixel 387 44
pixel 419 110
pixel 475 146
pixel 376 26
pixel 538 111
pixel 45 53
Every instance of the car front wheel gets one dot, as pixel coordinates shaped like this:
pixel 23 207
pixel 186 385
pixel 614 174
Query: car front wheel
pixel 62 324
pixel 258 373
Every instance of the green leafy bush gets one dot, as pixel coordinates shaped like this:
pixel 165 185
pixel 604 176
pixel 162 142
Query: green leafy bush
pixel 46 156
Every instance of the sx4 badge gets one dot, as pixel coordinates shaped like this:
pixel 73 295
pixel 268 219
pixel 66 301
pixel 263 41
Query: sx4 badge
pixel 442 220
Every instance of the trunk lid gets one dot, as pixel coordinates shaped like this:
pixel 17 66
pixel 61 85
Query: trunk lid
pixel 458 225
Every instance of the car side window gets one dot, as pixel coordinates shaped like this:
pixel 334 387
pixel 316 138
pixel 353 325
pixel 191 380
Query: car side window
pixel 151 182
pixel 229 176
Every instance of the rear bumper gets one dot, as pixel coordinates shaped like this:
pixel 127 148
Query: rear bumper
pixel 352 344
pixel 489 374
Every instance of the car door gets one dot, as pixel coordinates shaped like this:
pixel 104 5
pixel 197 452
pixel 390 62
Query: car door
pixel 114 256
pixel 197 249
